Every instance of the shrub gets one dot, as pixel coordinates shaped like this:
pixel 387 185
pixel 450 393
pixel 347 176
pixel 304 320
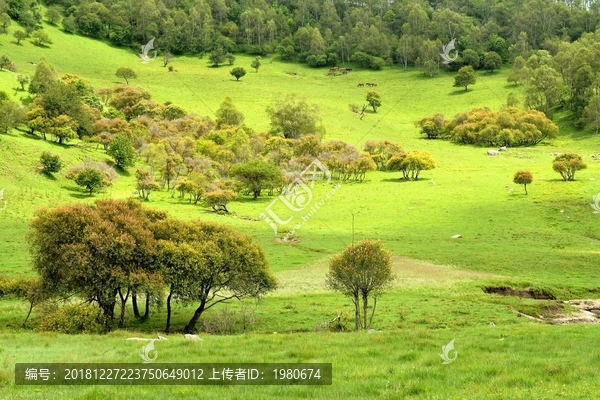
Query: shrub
pixel 50 163
pixel 70 319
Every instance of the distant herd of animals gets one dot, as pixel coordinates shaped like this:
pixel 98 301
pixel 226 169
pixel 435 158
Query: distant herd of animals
pixel 333 71
pixel 368 84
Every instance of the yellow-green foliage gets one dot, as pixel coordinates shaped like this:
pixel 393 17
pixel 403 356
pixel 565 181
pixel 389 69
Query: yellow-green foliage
pixel 73 319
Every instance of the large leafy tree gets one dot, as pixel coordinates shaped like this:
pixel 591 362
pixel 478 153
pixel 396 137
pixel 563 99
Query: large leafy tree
pixel 122 151
pixel 208 264
pixel 45 75
pixel 466 76
pixel 257 175
pixel 361 271
pixel 544 90
pixel 95 252
pixel 293 117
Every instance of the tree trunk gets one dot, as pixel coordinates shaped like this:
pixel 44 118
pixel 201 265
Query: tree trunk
pixel 108 310
pixel 28 314
pixel 525 189
pixel 365 299
pixel 191 326
pixel 373 311
pixel 123 305
pixel 136 310
pixel 356 312
pixel 147 310
pixel 168 327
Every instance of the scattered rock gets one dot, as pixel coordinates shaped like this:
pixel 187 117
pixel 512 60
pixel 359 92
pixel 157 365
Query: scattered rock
pixel 456 236
pixel 592 179
pixel 491 324
pixel 431 182
pixel 191 337
pixel 561 211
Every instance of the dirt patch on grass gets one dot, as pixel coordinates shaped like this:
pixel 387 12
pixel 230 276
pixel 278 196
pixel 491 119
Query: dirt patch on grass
pixel 588 313
pixel 411 269
pixel 526 293
pixel 408 272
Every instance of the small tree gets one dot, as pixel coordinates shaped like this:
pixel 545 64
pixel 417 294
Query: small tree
pixel 228 114
pixel 257 175
pixel 466 76
pixel 230 58
pixel 219 199
pixel 40 38
pixel 91 179
pixel 4 61
pixel 411 164
pixel 54 14
pixel 145 183
pixel 256 63
pixel 217 56
pixel 23 80
pixel 5 22
pixel 238 72
pixel 20 35
pixel 11 116
pixel 50 163
pixel 92 175
pixel 122 151
pixel 567 164
pixel 523 178
pixel 374 99
pixel 126 73
pixel 167 57
pixel 492 61
pixel 363 270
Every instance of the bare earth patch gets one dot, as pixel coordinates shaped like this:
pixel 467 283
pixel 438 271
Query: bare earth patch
pixel 589 313
pixel 408 271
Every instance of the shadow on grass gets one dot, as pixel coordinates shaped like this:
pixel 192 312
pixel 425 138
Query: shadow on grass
pixel 120 171
pixel 402 180
pixel 460 92
pixel 40 45
pixel 48 176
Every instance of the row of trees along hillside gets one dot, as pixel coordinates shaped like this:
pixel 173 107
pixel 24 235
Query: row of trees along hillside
pixel 319 32
pixel 196 157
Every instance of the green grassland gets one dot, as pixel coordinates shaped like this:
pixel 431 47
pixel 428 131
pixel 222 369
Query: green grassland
pixel 508 239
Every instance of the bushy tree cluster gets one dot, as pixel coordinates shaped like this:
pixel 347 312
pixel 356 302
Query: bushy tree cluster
pixel 108 252
pixel 483 127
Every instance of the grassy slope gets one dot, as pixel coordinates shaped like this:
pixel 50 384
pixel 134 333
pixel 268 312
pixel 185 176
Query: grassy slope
pixel 521 239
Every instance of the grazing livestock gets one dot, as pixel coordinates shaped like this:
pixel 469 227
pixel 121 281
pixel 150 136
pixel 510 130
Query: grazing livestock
pixel 333 69
pixel 360 85
pixel 493 153
pixel 503 148
pixel 371 84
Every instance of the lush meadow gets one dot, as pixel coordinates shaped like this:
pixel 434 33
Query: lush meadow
pixel 548 239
